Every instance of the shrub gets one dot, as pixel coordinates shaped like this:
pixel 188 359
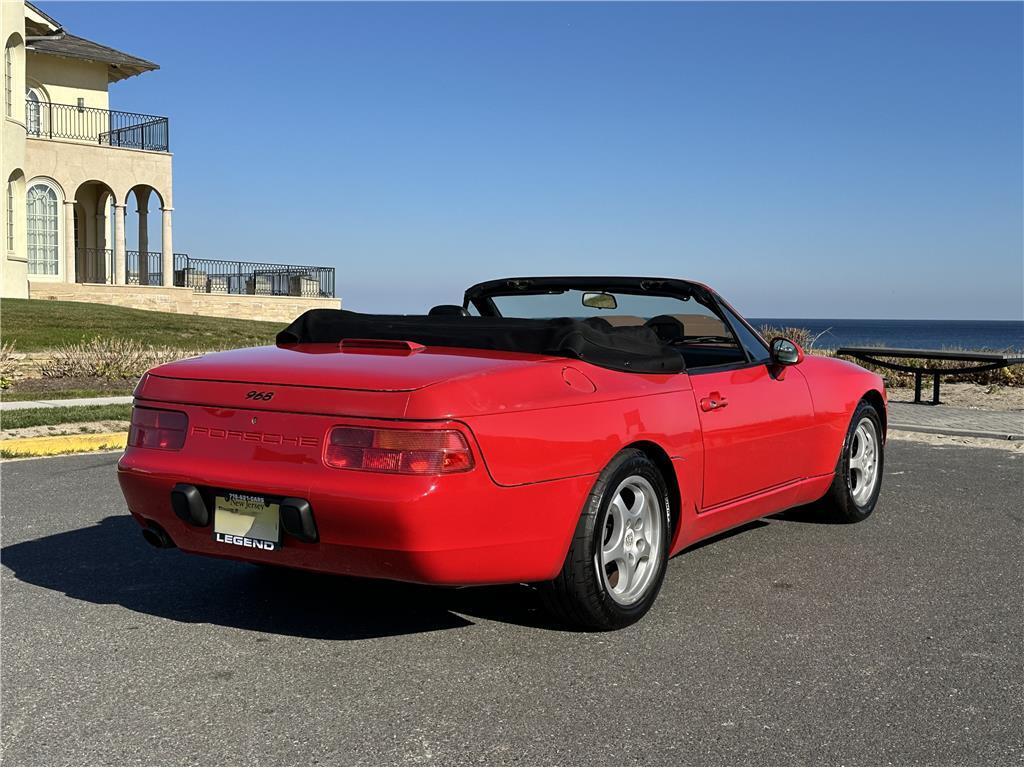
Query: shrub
pixel 1011 376
pixel 801 336
pixel 108 358
pixel 8 364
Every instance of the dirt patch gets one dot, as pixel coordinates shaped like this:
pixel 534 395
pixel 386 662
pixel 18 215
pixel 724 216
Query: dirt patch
pixel 52 430
pixel 986 397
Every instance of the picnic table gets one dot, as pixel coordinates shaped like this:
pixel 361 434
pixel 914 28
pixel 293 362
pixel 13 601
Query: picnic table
pixel 984 361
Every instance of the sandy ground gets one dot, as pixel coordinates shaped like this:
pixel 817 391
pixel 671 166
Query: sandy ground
pixel 957 441
pixel 965 395
pixel 52 430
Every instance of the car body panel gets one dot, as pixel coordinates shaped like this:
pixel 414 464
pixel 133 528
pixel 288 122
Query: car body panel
pixel 335 366
pixel 761 436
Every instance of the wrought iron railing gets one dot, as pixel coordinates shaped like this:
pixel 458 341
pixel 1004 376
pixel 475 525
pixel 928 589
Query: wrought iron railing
pixel 144 268
pixel 254 278
pixel 95 265
pixel 102 126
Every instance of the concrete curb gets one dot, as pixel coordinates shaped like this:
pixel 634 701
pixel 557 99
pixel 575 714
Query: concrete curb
pixel 21 405
pixel 954 432
pixel 61 444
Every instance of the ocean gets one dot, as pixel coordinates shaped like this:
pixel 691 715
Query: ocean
pixel 975 335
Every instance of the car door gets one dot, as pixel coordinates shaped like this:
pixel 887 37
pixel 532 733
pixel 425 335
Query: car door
pixel 757 427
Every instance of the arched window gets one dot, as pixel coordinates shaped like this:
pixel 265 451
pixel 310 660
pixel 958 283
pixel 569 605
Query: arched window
pixel 9 79
pixel 42 204
pixel 33 123
pixel 10 214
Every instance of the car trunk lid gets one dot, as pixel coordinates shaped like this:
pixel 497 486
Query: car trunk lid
pixel 353 378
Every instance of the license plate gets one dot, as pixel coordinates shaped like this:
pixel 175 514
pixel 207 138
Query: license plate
pixel 247 520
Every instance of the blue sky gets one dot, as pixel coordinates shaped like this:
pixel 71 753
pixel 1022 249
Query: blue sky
pixel 808 160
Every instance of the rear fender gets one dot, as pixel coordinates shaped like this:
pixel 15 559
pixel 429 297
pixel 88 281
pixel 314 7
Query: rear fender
pixel 555 443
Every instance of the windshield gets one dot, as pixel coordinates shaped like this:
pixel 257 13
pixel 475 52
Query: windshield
pixel 617 308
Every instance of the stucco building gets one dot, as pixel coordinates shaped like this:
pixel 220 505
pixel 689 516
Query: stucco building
pixel 89 199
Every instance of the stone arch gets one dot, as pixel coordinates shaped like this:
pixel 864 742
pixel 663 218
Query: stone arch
pixel 94 232
pixel 144 234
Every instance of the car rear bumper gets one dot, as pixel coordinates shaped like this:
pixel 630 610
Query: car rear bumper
pixel 458 529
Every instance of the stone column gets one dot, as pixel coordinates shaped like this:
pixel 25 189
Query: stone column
pixel 120 245
pixel 101 266
pixel 143 211
pixel 70 273
pixel 168 247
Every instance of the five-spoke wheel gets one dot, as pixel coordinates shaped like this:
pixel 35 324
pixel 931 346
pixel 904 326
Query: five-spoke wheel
pixel 858 478
pixel 617 559
pixel 632 541
pixel 863 461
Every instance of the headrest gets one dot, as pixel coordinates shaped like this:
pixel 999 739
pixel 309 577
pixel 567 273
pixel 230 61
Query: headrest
pixel 448 310
pixel 667 327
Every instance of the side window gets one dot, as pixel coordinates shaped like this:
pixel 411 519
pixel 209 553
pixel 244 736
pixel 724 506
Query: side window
pixel 754 346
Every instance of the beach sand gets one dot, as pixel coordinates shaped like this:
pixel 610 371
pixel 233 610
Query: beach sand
pixel 965 395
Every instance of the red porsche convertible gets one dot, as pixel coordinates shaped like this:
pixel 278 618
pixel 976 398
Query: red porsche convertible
pixel 572 433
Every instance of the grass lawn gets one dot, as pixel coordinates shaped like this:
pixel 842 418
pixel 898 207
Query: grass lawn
pixel 33 325
pixel 27 393
pixel 38 417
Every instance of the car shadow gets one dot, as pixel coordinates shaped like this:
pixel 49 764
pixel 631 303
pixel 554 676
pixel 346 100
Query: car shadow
pixel 109 564
pixel 751 526
pixel 808 513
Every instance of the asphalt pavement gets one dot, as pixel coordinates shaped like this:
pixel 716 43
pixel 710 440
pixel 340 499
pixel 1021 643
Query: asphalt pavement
pixel 789 641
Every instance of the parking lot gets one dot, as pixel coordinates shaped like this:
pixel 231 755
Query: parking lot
pixel 789 641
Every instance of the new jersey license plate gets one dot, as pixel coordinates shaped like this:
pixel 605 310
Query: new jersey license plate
pixel 247 520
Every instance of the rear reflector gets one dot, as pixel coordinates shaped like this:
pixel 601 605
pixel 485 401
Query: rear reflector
pixel 153 428
pixel 399 451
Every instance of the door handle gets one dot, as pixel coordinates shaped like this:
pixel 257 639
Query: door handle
pixel 713 402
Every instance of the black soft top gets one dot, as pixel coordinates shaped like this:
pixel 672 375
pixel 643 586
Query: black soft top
pixel 631 348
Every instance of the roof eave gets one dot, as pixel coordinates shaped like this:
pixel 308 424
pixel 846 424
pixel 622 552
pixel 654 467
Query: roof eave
pixel 118 72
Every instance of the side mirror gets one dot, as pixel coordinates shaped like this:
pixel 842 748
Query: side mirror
pixel 786 352
pixel 599 301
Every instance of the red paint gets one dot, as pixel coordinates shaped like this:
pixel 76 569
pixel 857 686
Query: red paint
pixel 741 443
pixel 762 438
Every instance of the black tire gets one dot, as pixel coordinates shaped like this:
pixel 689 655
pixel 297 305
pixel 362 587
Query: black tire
pixel 579 597
pixel 841 503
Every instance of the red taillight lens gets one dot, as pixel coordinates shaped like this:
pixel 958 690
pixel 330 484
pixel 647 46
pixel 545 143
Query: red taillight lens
pixel 401 451
pixel 152 428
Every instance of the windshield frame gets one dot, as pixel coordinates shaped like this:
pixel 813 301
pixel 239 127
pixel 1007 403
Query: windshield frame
pixel 481 295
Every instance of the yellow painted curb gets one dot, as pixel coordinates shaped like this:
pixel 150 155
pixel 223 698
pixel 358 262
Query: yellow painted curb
pixel 58 444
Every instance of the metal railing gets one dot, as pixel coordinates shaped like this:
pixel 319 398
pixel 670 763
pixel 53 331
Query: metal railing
pixel 143 268
pixel 102 126
pixel 252 278
pixel 95 265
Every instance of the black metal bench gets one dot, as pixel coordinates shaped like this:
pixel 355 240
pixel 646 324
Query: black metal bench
pixel 987 361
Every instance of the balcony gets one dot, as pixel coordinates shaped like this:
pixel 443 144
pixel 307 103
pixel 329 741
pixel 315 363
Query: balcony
pixel 108 127
pixel 240 278
pixel 252 278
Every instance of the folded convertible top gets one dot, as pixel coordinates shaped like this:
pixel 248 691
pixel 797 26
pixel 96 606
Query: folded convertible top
pixel 633 348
